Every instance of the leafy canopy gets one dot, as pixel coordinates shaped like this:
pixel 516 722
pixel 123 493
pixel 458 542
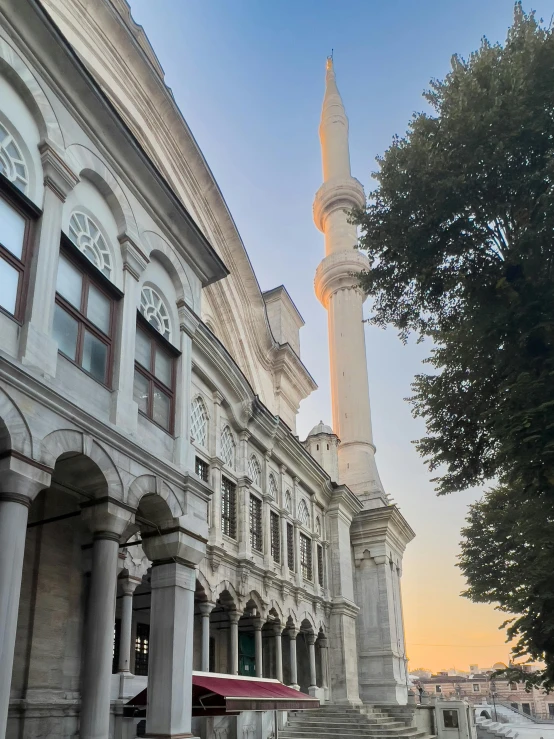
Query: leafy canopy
pixel 460 237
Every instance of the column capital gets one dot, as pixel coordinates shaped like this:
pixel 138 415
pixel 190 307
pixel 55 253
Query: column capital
pixel 258 623
pixel 217 397
pixel 188 321
pixel 23 477
pixel 173 575
pixel 311 638
pixel 174 544
pixel 292 632
pixel 106 516
pixel 135 260
pixel 205 607
pixel 129 584
pixel 277 629
pixel 234 616
pixel 58 176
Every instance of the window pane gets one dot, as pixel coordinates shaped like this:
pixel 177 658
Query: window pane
pixel 12 229
pixel 95 357
pixel 140 392
pixel 162 406
pixel 98 309
pixel 142 349
pixel 9 280
pixel 65 332
pixel 70 282
pixel 163 367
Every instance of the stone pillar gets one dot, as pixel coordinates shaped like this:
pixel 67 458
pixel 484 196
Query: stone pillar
pixel 107 522
pixel 174 555
pixel 293 633
pixel 19 484
pixel 311 649
pixel 258 623
pixel 124 410
pixel 234 617
pixel 37 347
pixel 128 585
pixel 324 663
pixel 205 610
pixel 279 652
pixel 188 324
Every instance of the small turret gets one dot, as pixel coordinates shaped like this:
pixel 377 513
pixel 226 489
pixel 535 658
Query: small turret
pixel 323 444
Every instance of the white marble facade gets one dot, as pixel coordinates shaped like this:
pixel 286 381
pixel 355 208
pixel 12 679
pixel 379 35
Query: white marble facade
pixel 151 481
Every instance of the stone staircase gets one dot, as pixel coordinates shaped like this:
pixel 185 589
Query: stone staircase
pixel 335 722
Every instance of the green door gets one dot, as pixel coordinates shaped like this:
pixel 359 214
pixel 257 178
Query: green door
pixel 247 654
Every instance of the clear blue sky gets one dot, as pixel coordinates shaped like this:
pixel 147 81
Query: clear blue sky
pixel 248 76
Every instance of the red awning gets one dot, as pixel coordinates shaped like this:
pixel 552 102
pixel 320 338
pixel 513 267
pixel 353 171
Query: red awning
pixel 214 694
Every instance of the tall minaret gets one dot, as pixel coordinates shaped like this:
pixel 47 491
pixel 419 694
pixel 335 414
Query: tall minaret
pixel 336 288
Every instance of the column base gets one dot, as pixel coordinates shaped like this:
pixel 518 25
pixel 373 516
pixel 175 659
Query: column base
pixel 294 686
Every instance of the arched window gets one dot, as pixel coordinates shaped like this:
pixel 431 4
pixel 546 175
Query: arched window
pixel 288 501
pixel 228 447
pixel 153 309
pixel 12 162
pixel 87 237
pixel 272 486
pixel 199 421
pixel 318 526
pixel 254 470
pixel 303 513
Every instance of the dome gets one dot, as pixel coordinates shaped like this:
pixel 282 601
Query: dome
pixel 321 428
pixel 499 666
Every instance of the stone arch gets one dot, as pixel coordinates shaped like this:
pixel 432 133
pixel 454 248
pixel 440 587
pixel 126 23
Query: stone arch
pixel 226 587
pixel 70 441
pixel 88 165
pixel 159 248
pixel 205 585
pixel 292 617
pixel 278 611
pixel 152 485
pixel 14 430
pixel 21 77
pixel 307 618
pixel 258 601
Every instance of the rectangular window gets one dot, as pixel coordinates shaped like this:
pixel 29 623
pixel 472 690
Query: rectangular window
pixel 228 508
pixel 142 646
pixel 17 215
pixel 84 315
pixel 115 650
pixel 450 719
pixel 438 689
pixel 476 688
pixel 306 557
pixel 320 565
pixel 154 383
pixel 255 523
pixel 275 537
pixel 202 469
pixel 526 708
pixel 290 546
pixel 513 686
pixel 551 710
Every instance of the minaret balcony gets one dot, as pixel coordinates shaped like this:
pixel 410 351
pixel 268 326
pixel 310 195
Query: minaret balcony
pixel 339 271
pixel 337 194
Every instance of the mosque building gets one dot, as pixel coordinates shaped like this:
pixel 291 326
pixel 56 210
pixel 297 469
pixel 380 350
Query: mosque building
pixel 158 514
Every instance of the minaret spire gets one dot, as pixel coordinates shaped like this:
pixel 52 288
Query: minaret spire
pixel 337 289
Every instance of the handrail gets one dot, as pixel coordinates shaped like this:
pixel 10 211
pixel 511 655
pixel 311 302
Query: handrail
pixel 532 717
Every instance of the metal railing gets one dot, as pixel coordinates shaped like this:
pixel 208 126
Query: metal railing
pixel 534 717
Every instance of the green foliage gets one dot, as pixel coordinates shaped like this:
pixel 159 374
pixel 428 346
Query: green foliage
pixel 460 238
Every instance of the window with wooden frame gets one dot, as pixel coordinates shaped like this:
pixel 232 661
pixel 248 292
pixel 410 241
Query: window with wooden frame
pixel 17 218
pixel 255 523
pixel 275 524
pixel 202 469
pixel 84 314
pixel 154 383
pixel 228 508
pixel 320 576
pixel 306 557
pixel 290 546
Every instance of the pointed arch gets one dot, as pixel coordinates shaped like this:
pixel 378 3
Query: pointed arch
pixel 15 433
pixel 272 486
pixel 254 470
pixel 228 447
pixel 303 513
pixel 152 485
pixel 199 421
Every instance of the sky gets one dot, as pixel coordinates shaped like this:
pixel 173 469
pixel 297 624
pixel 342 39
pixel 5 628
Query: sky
pixel 248 76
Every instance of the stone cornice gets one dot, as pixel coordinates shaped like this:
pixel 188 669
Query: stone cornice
pixel 339 271
pixel 381 531
pixel 337 194
pixel 58 176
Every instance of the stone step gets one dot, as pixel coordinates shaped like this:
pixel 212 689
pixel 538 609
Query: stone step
pixel 325 718
pixel 393 726
pixel 348 731
pixel 302 734
pixel 355 727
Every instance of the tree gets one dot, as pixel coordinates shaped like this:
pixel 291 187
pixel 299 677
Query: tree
pixel 460 237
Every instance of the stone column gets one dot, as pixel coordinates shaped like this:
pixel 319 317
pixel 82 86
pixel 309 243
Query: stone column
pixel 293 633
pixel 107 522
pixel 128 585
pixel 17 490
pixel 188 324
pixel 124 410
pixel 234 617
pixel 258 623
pixel 279 652
pixel 205 610
pixel 311 650
pixel 324 663
pixel 174 555
pixel 37 347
